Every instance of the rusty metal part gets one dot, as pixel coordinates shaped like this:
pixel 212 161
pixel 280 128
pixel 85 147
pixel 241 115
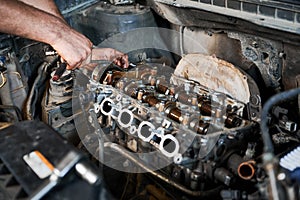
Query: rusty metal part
pixel 118 75
pixel 205 107
pixel 244 169
pixel 162 89
pixel 151 100
pixel 199 126
pixel 170 108
pixel 193 99
pixel 265 54
pixel 173 112
pixel 233 120
pixel 108 80
pixel 112 77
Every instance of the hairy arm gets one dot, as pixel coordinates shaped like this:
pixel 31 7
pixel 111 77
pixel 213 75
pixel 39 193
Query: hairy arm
pixel 48 6
pixel 19 18
pixel 40 20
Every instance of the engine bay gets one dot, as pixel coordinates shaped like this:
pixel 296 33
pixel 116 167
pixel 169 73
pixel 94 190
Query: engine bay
pixel 207 109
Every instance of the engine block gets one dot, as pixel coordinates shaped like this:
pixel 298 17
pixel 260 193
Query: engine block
pixel 163 119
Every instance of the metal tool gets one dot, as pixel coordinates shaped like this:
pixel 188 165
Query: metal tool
pixel 59 71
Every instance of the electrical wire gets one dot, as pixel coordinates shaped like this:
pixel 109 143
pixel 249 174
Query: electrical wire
pixel 268 146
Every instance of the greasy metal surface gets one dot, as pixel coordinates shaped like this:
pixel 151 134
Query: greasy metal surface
pixel 215 74
pixel 167 180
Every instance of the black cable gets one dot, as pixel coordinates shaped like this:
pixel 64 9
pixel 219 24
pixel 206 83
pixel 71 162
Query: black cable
pixel 37 88
pixel 268 145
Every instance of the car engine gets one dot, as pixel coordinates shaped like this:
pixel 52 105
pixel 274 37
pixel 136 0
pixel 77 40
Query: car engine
pixel 207 109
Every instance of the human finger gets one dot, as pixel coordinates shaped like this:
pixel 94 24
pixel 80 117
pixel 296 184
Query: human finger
pixel 122 61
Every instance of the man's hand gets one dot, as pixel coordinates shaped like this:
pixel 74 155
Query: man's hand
pixel 42 22
pixel 109 54
pixel 76 50
pixel 73 47
pixel 121 60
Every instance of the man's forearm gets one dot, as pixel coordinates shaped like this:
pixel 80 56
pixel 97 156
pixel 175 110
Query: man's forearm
pixel 21 19
pixel 45 5
pixel 41 21
pixel 28 21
